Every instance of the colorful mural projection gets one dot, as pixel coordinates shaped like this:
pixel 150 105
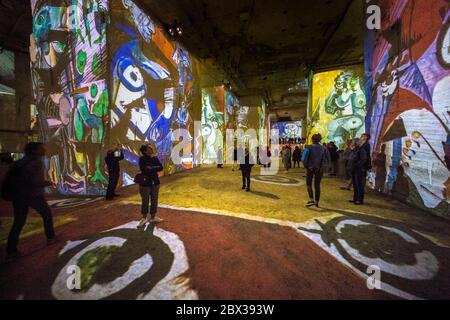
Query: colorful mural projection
pixel 408 95
pixel 213 123
pixel 68 64
pixel 289 129
pixel 152 83
pixel 338 105
pixel 231 106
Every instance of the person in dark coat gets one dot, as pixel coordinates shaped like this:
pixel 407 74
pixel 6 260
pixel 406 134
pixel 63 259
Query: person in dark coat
pixel 149 165
pixel 112 159
pixel 364 143
pixel 316 159
pixel 348 175
pixel 334 157
pixel 357 160
pixel 297 156
pixel 379 168
pixel 30 194
pixel 268 154
pixel 246 169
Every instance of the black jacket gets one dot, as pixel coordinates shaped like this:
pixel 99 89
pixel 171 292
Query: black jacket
pixel 357 160
pixel 150 166
pixel 248 164
pixel 113 162
pixel 333 150
pixel 32 182
pixel 317 157
pixel 368 163
pixel 297 155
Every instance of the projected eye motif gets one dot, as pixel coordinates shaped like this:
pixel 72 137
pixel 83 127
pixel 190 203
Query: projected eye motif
pixel 443 44
pixel 132 78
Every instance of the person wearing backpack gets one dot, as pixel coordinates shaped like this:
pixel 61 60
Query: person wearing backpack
pixel 149 165
pixel 25 184
pixel 316 159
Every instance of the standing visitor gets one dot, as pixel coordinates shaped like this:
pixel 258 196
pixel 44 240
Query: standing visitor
pixel 348 174
pixel 334 157
pixel 219 157
pixel 286 154
pixel 112 162
pixel 357 166
pixel 297 156
pixel 149 165
pixel 246 169
pixel 379 166
pixel 268 154
pixel 26 180
pixel 315 161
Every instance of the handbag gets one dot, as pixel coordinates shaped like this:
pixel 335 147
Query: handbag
pixel 140 178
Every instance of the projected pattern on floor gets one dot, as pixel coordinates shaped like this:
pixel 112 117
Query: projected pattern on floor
pixel 411 265
pixel 126 263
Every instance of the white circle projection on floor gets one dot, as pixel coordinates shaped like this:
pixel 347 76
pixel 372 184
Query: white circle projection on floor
pixel 411 265
pixel 125 263
pixel 278 180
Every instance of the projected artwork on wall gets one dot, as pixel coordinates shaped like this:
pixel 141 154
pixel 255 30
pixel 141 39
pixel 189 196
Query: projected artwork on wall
pixel 289 129
pixel 6 73
pixel 152 82
pixel 68 64
pixel 231 106
pixel 213 123
pixel 408 81
pixel 338 105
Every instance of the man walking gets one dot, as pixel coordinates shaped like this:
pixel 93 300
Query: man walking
pixel 30 186
pixel 315 161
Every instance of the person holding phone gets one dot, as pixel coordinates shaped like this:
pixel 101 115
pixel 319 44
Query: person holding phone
pixel 149 165
pixel 112 159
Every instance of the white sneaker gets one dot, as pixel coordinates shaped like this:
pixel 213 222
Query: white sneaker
pixel 156 220
pixel 142 222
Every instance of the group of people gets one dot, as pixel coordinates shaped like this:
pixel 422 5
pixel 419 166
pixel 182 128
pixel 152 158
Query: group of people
pixel 291 158
pixel 26 184
pixel 318 157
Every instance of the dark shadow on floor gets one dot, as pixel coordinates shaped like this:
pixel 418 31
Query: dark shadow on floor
pixel 411 262
pixel 265 194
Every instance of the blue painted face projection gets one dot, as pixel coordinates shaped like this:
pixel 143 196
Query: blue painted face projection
pixel 153 88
